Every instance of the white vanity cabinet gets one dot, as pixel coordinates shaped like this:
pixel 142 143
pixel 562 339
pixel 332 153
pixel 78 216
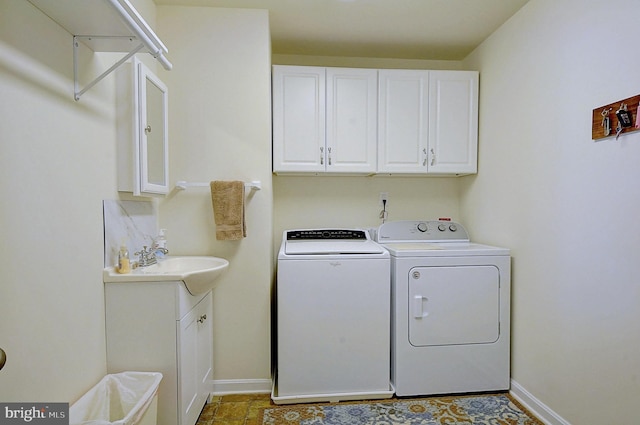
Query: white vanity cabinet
pixel 324 120
pixel 427 122
pixel 161 327
pixel 143 142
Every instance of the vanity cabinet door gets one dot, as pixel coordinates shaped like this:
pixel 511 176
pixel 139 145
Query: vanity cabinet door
pixel 195 360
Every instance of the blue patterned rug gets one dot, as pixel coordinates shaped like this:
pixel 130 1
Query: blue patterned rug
pixel 494 409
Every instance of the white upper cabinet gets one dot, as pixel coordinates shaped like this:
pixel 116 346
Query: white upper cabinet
pixel 428 122
pixel 403 121
pixel 453 122
pixel 298 118
pixel 351 120
pixel 367 121
pixel 143 142
pixel 324 120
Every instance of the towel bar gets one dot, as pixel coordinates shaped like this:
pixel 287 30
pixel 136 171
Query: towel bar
pixel 182 185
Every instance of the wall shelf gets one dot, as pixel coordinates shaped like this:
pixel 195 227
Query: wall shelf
pixel 104 26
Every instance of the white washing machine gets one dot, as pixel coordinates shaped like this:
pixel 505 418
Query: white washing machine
pixel 333 317
pixel 450 309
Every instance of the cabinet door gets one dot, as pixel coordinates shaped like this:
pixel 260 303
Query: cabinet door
pixel 298 119
pixel 403 121
pixel 142 130
pixel 205 347
pixel 453 122
pixel 154 140
pixel 195 360
pixel 188 369
pixel 351 133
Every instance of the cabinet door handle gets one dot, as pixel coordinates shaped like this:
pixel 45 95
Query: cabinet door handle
pixel 202 318
pixel 329 153
pixel 424 157
pixel 433 157
pixel 147 129
pixel 321 155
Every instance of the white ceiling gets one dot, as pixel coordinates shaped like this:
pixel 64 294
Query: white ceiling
pixel 408 29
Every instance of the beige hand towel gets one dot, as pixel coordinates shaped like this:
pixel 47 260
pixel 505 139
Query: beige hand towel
pixel 228 210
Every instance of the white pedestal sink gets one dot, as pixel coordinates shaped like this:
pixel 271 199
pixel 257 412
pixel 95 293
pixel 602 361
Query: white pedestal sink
pixel 199 273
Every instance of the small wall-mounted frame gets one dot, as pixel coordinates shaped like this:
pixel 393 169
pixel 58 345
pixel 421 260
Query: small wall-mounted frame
pixel 616 118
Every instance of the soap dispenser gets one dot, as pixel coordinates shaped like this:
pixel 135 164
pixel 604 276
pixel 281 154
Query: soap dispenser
pixel 124 265
pixel 162 239
pixel 161 245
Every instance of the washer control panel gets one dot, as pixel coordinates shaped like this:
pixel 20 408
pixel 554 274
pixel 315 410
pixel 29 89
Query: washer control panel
pixel 326 234
pixel 422 231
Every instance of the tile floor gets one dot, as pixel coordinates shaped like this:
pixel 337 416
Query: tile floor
pixel 237 409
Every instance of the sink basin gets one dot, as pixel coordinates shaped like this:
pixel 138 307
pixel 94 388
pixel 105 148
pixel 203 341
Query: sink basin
pixel 199 274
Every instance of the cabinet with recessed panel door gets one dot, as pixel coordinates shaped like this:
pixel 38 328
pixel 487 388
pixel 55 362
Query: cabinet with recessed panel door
pixel 324 120
pixel 161 327
pixel 427 122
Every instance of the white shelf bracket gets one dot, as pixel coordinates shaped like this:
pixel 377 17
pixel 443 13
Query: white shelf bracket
pixel 77 92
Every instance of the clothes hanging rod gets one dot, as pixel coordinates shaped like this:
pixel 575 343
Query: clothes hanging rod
pixel 182 185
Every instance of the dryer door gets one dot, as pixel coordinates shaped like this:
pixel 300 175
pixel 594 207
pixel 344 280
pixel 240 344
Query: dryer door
pixel 454 305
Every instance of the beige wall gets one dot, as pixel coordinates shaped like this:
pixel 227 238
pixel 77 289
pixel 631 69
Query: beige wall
pixel 566 205
pixel 57 164
pixel 220 129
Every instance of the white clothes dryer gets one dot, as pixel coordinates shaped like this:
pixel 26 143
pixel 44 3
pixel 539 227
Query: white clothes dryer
pixel 333 317
pixel 450 309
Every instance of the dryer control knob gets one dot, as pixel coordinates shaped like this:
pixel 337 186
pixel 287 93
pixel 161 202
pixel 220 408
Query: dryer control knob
pixel 453 228
pixel 422 227
pixel 442 227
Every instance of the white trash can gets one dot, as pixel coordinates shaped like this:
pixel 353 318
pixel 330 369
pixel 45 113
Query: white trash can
pixel 126 398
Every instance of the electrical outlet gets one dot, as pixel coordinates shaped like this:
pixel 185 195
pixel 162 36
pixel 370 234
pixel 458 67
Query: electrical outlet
pixel 384 197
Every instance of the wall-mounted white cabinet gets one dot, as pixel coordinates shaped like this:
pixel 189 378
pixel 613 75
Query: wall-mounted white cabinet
pixel 324 120
pixel 428 122
pixel 161 327
pixel 143 142
pixel 335 120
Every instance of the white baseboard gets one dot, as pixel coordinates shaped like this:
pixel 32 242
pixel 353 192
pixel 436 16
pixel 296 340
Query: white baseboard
pixel 241 386
pixel 535 406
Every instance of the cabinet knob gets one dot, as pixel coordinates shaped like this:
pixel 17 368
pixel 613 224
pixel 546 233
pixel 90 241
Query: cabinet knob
pixel 202 318
pixel 3 358
pixel 147 129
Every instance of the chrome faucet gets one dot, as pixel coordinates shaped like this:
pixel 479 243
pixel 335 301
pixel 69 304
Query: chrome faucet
pixel 147 257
